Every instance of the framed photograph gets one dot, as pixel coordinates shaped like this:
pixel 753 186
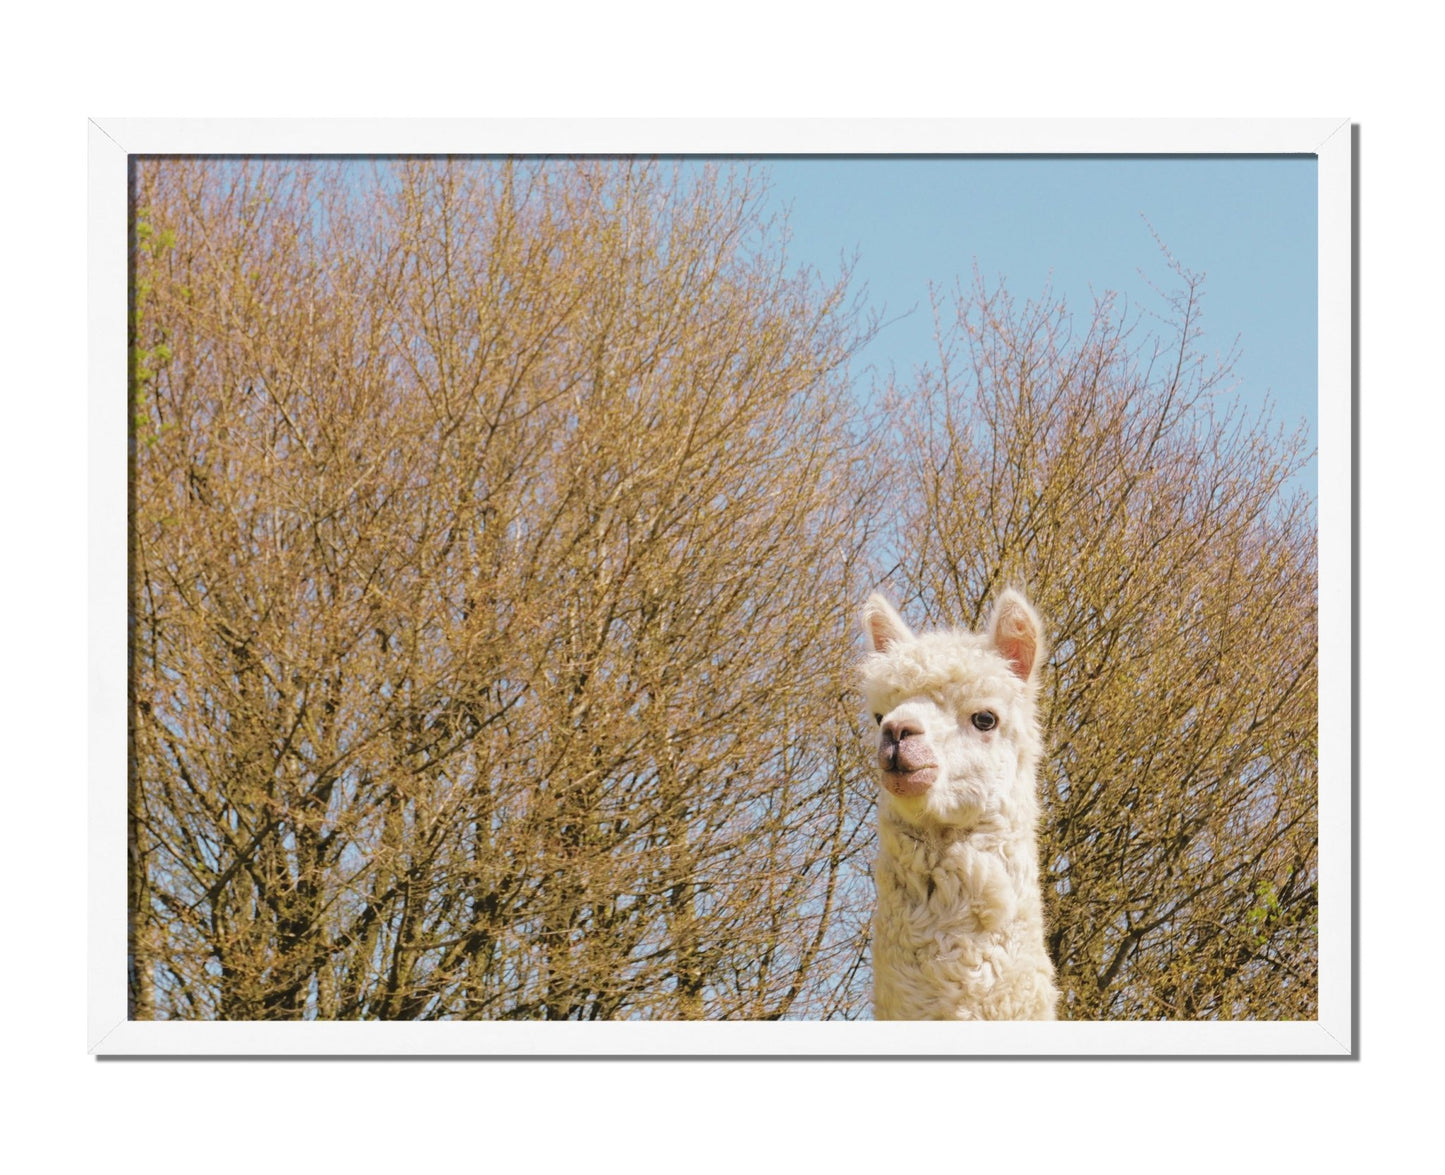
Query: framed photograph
pixel 842 588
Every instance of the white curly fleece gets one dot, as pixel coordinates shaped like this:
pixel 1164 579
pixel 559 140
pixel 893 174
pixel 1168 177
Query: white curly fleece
pixel 958 933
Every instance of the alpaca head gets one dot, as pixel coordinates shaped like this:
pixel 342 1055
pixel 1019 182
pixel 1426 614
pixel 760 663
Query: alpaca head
pixel 957 734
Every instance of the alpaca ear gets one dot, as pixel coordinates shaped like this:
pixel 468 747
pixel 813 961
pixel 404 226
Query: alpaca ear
pixel 1017 633
pixel 883 625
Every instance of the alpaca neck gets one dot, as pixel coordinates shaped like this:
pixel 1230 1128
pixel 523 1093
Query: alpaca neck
pixel 987 832
pixel 958 932
pixel 978 864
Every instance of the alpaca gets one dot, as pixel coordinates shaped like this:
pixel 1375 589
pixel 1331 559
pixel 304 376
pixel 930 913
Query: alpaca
pixel 958 932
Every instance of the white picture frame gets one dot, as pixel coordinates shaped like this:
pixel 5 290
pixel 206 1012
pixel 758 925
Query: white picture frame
pixel 114 141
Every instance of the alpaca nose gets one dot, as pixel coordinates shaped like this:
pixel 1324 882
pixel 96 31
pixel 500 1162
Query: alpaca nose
pixel 895 730
pixel 904 751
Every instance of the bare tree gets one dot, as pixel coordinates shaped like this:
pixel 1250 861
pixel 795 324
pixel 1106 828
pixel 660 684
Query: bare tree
pixel 497 534
pixel 1154 524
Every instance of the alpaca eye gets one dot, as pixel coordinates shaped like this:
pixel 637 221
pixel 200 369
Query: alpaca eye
pixel 985 720
pixel 878 718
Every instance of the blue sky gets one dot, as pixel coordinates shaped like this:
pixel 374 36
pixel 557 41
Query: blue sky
pixel 1248 224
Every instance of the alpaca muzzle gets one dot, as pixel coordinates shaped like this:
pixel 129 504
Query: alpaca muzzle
pixel 906 760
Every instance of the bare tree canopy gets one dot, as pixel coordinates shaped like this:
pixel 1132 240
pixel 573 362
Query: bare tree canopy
pixel 1154 526
pixel 496 540
pixel 499 534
